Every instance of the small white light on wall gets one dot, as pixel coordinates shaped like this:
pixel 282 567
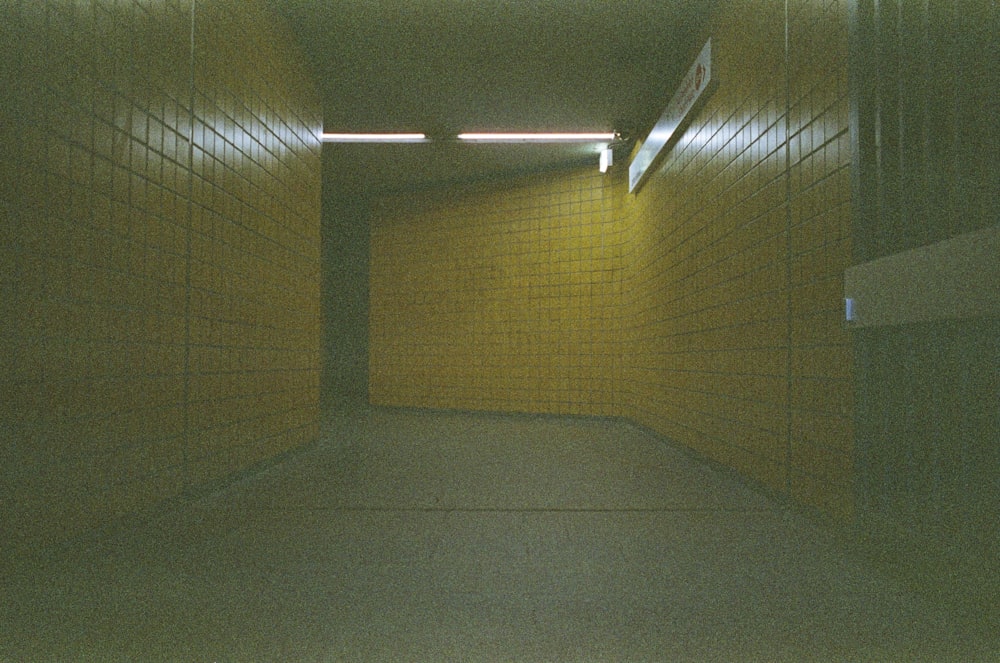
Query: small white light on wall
pixel 606 159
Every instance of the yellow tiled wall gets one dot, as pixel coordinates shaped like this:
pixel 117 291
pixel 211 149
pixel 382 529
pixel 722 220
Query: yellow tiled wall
pixel 821 435
pixel 501 296
pixel 740 240
pixel 159 267
pixel 708 306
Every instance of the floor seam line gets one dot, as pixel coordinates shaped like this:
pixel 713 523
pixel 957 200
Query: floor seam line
pixel 501 510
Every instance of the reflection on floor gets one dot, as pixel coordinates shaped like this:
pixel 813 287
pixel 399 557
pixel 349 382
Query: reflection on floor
pixel 419 536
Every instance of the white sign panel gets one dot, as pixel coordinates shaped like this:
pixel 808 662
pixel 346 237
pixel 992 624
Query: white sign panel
pixel 691 88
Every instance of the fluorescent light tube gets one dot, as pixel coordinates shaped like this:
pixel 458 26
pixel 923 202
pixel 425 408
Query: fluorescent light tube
pixel 536 137
pixel 374 138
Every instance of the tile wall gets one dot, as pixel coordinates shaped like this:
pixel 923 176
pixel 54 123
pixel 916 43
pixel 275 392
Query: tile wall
pixel 159 255
pixel 740 240
pixel 821 433
pixel 708 285
pixel 499 296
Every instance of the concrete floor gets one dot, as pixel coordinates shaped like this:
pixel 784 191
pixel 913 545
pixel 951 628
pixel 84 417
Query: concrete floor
pixel 416 536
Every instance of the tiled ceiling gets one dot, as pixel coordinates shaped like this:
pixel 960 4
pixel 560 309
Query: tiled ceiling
pixel 445 66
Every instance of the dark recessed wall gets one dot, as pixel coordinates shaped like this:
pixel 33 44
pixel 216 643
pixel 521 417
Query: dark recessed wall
pixel 345 296
pixel 927 169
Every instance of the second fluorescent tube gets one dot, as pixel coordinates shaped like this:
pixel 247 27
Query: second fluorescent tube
pixel 536 137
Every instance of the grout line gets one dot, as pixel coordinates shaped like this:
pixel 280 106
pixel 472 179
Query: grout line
pixel 789 359
pixel 187 438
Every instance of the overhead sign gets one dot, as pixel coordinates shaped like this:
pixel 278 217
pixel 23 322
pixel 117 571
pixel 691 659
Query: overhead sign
pixel 694 84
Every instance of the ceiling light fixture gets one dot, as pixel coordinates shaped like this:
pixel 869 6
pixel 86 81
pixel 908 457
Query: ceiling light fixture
pixel 536 137
pixel 374 138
